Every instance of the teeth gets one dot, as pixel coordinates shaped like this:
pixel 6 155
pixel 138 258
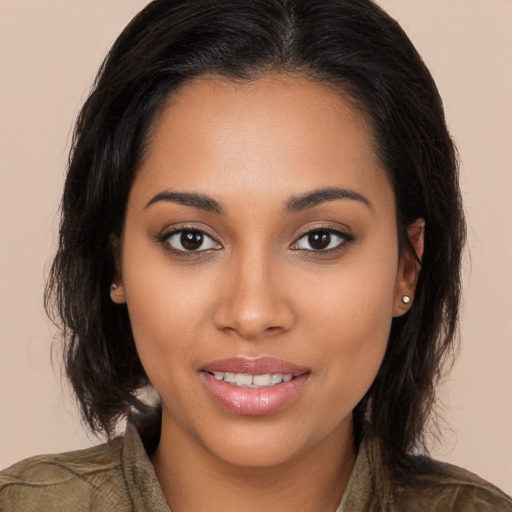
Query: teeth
pixel 262 380
pixel 230 377
pixel 276 378
pixel 243 380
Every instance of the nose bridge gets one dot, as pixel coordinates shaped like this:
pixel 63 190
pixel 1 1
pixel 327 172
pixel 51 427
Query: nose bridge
pixel 253 302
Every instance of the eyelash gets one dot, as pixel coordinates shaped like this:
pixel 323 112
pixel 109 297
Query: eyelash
pixel 165 238
pixel 345 240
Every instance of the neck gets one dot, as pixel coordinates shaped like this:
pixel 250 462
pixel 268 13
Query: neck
pixel 194 479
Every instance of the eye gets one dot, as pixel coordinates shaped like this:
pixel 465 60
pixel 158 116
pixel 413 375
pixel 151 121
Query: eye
pixel 322 240
pixel 190 240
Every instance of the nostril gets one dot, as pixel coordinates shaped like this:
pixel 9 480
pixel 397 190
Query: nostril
pixel 253 315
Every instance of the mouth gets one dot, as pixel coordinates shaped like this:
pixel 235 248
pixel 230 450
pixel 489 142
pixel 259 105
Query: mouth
pixel 244 380
pixel 254 387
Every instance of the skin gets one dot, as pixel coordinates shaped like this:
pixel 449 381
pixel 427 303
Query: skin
pixel 258 289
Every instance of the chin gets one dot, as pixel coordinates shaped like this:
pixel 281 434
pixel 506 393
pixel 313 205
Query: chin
pixel 271 442
pixel 257 448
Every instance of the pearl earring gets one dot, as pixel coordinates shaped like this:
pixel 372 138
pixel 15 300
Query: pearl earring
pixel 116 293
pixel 406 299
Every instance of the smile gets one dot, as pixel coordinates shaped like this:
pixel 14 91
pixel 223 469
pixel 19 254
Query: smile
pixel 254 387
pixel 243 380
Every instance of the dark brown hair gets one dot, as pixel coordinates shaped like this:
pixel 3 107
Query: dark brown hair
pixel 350 44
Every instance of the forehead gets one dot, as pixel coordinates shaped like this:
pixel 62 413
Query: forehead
pixel 264 137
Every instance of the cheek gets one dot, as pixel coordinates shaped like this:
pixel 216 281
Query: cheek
pixel 351 318
pixel 168 311
pixel 355 333
pixel 356 300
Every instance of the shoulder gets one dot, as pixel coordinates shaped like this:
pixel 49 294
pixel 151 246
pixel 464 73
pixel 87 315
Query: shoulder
pixel 444 487
pixel 90 479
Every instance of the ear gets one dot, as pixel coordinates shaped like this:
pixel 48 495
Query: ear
pixel 409 268
pixel 117 294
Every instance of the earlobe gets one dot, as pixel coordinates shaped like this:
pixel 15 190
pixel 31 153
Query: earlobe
pixel 117 293
pixel 409 268
pixel 116 288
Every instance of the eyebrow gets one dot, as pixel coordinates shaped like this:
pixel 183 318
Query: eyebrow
pixel 294 205
pixel 199 201
pixel 324 195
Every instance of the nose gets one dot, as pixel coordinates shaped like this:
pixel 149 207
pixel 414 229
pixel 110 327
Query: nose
pixel 253 300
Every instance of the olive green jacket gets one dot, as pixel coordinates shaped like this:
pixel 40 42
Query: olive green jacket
pixel 119 477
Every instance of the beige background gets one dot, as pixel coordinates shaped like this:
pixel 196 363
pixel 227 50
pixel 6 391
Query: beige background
pixel 49 53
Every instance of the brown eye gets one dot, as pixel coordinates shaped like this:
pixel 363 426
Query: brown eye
pixel 190 240
pixel 319 240
pixel 322 240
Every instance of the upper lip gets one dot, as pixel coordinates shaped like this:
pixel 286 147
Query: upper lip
pixel 255 366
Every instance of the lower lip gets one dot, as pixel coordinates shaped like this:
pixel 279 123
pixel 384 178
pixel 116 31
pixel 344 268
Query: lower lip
pixel 254 401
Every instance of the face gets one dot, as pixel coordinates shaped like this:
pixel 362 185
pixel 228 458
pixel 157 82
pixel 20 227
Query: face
pixel 260 267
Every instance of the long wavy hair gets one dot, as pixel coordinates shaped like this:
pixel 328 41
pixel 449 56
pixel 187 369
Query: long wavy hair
pixel 352 45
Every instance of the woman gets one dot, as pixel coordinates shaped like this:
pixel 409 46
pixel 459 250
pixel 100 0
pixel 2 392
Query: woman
pixel 262 220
